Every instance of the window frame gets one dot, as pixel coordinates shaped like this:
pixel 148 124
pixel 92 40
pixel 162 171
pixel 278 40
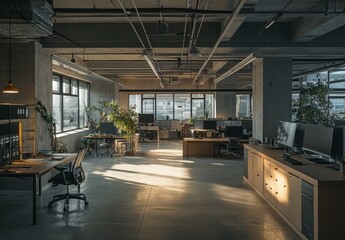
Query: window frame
pixel 69 93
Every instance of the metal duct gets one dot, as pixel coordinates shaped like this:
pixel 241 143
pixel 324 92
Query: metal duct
pixel 30 18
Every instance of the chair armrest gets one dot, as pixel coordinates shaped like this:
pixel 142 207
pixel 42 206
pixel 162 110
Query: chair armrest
pixel 61 168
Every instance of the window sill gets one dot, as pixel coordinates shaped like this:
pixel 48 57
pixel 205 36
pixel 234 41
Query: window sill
pixel 72 132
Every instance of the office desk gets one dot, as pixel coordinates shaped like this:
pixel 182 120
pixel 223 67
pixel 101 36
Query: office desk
pixel 34 168
pixel 102 137
pixel 200 147
pixel 150 129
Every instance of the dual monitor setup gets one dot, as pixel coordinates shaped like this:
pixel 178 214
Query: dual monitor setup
pixel 325 142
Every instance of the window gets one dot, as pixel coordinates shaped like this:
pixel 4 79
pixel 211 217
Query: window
pixel 165 108
pixel 243 105
pixel 70 100
pixel 174 105
pixel 135 100
pixel 182 106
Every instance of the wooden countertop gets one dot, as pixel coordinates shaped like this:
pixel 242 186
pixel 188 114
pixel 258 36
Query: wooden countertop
pixel 206 139
pixel 318 174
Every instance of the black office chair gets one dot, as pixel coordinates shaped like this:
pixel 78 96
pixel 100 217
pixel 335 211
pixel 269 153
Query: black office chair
pixel 235 133
pixel 70 176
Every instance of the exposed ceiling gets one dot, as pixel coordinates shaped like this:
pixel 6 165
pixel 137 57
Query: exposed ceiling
pixel 111 37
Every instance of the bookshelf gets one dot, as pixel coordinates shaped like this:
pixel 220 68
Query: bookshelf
pixel 17 132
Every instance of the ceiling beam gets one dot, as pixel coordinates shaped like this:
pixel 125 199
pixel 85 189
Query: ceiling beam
pixel 308 28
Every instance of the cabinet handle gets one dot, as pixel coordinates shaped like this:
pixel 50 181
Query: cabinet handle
pixel 266 184
pixel 270 176
pixel 276 180
pixel 270 188
pixel 284 185
pixel 276 192
pixel 276 168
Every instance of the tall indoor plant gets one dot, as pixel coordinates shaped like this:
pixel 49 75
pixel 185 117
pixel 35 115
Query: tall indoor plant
pixel 313 105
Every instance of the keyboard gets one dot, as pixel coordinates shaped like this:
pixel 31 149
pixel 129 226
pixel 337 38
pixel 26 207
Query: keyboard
pixel 293 161
pixel 274 147
pixel 318 160
pixel 57 158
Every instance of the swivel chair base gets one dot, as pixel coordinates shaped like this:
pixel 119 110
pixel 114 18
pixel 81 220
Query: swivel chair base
pixel 67 196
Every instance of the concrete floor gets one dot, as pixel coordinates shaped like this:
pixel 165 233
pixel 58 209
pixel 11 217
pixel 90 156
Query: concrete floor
pixel 154 195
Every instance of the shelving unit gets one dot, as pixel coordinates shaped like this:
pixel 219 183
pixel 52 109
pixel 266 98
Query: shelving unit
pixel 19 139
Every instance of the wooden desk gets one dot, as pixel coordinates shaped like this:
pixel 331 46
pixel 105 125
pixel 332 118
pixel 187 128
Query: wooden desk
pixel 200 147
pixel 34 168
pixel 149 129
pixel 102 137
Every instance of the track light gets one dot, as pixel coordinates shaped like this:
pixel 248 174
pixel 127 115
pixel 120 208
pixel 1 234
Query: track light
pixel 250 58
pixel 153 67
pixel 273 20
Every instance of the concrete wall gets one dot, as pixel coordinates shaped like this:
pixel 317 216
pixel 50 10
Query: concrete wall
pixel 43 92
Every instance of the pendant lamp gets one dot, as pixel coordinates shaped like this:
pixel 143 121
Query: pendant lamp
pixel 10 88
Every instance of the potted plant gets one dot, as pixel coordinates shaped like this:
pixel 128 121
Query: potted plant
pixel 124 120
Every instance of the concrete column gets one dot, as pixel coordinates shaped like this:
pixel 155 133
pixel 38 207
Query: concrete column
pixel 272 91
pixel 225 104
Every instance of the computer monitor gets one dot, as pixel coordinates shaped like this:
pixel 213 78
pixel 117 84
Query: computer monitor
pixel 108 127
pixel 318 139
pixel 146 118
pixel 338 144
pixel 247 124
pixel 298 142
pixel 286 134
pixel 234 131
pixel 210 124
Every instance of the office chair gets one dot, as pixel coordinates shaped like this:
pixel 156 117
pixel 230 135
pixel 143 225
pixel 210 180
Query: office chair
pixel 106 144
pixel 235 133
pixel 70 176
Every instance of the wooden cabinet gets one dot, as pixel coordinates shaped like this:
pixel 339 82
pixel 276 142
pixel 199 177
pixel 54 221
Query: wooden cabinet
pixel 294 197
pixel 315 211
pixel 255 171
pixel 277 185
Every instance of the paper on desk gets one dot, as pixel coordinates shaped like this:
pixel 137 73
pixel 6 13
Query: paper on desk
pixel 35 160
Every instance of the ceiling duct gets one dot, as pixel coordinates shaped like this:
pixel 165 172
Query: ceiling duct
pixel 30 18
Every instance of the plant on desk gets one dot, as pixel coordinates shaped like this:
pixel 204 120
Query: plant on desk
pixel 56 145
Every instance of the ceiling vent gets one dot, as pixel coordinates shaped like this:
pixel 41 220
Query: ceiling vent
pixel 29 18
pixel 174 81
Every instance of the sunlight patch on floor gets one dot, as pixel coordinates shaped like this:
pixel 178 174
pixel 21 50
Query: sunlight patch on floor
pixel 175 160
pixel 167 152
pixel 167 177
pixel 234 195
